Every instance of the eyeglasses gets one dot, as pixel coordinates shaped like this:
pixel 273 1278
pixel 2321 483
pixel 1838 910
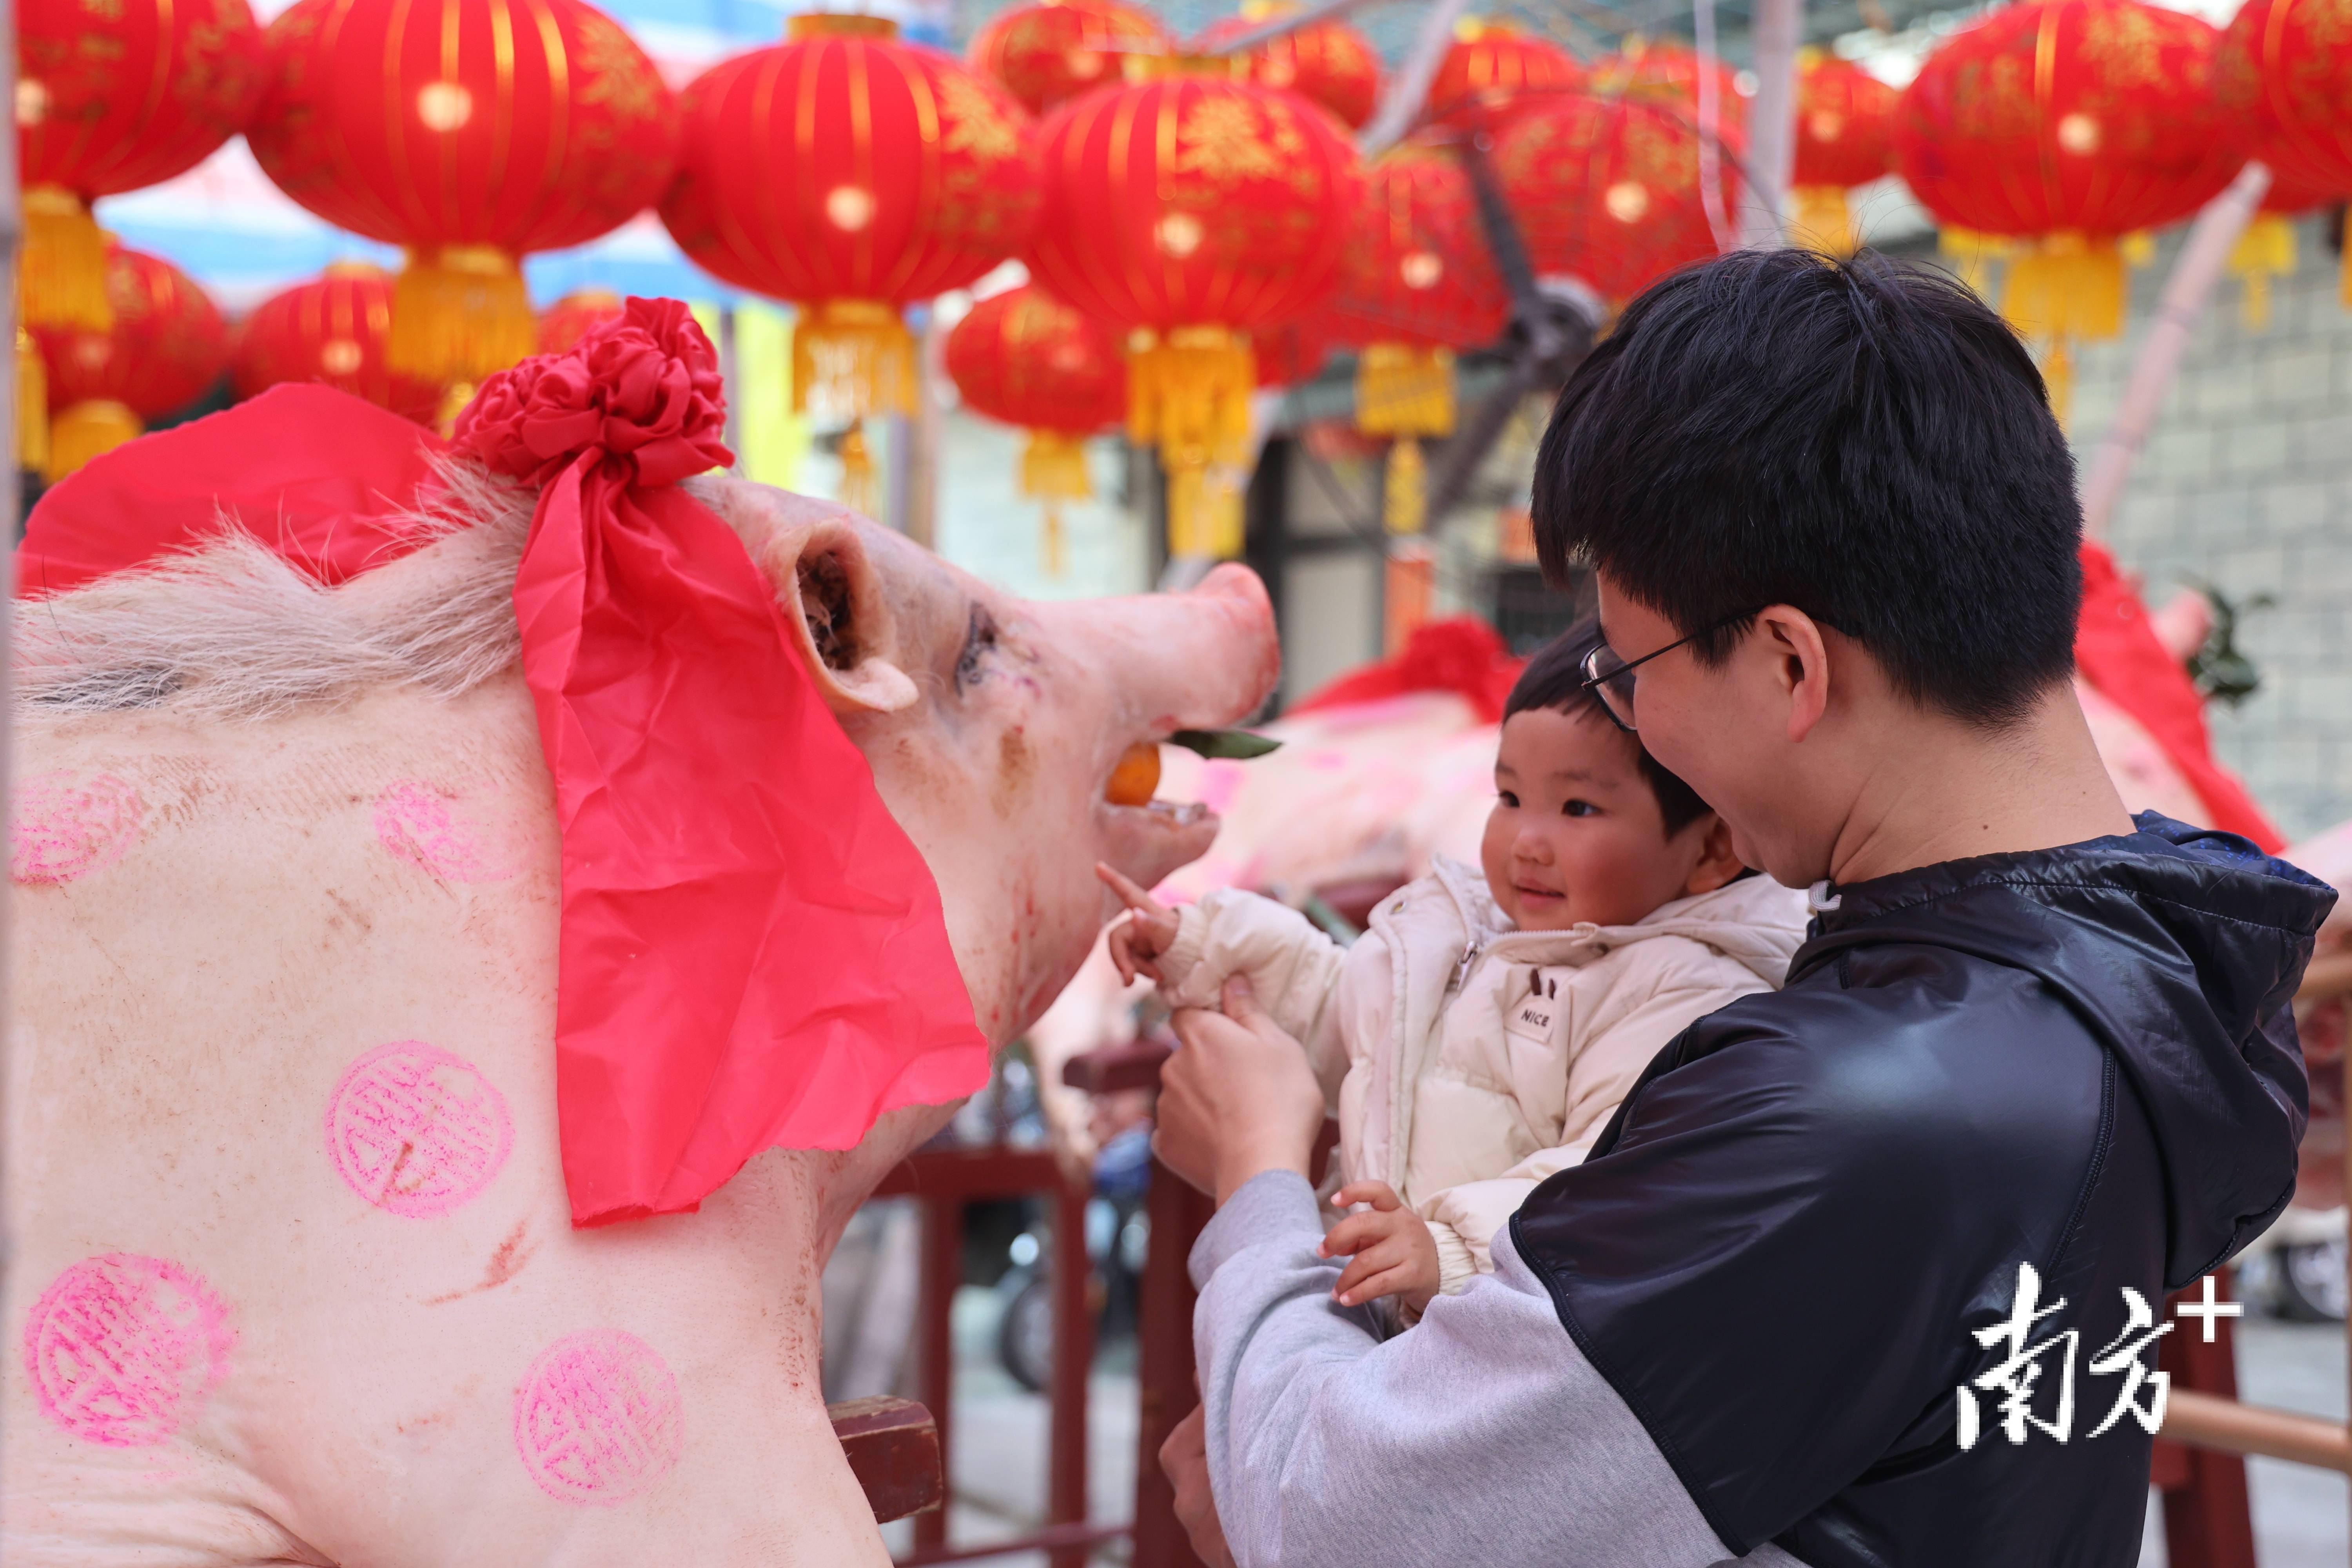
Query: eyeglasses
pixel 1610 677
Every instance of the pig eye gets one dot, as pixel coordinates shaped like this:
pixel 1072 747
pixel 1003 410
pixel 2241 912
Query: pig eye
pixel 979 637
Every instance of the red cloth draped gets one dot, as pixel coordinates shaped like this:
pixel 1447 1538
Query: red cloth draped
pixel 2117 652
pixel 753 952
pixel 1461 653
pixel 319 477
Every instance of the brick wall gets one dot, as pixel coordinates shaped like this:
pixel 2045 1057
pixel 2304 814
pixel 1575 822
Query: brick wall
pixel 2246 483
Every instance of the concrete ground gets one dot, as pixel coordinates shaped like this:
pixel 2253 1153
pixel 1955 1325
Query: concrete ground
pixel 997 1449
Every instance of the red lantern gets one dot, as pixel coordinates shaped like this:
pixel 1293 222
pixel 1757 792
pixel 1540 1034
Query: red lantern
pixel 1417 284
pixel 567 321
pixel 2283 69
pixel 1607 190
pixel 335 330
pixel 1667 75
pixel 2067 124
pixel 1026 359
pixel 1488 66
pixel 1328 63
pixel 110 98
pixel 1189 210
pixel 1044 55
pixel 1845 137
pixel 853 175
pixel 471 134
pixel 167 346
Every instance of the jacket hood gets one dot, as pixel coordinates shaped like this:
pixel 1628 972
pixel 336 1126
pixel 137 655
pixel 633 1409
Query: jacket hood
pixel 1755 921
pixel 2181 948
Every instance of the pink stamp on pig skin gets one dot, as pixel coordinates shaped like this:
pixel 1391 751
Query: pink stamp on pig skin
pixel 597 1418
pixel 415 1131
pixel 121 1348
pixel 429 829
pixel 69 825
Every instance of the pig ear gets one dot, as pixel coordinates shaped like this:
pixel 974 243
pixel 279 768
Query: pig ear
pixel 826 586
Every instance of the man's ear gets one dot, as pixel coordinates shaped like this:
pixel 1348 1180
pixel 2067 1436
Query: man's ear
pixel 1719 863
pixel 1793 641
pixel 824 584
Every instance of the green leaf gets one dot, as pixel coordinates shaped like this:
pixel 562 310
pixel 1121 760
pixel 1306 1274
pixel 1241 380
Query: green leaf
pixel 1239 745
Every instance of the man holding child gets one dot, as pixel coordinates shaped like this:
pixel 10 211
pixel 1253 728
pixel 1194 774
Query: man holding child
pixel 1814 1292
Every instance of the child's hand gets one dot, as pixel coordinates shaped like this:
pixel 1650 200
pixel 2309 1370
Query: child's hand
pixel 1149 930
pixel 1394 1255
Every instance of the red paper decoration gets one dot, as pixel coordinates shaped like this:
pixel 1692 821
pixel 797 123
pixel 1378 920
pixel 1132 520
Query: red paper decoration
pixel 110 98
pixel 471 133
pixel 1607 190
pixel 1189 210
pixel 167 345
pixel 1489 67
pixel 567 321
pixel 333 330
pixel 1044 55
pixel 851 174
pixel 1328 63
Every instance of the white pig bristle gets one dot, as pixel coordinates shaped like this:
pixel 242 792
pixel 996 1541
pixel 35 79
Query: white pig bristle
pixel 230 629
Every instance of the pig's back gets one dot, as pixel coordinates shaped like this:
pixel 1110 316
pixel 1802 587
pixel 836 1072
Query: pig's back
pixel 293 1278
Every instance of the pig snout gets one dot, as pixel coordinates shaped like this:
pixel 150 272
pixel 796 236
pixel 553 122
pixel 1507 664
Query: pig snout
pixel 1197 660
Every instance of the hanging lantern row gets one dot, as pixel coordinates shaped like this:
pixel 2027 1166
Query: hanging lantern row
pixel 2283 70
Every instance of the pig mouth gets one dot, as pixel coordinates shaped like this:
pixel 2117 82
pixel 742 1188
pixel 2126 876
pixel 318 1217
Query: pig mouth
pixel 1147 843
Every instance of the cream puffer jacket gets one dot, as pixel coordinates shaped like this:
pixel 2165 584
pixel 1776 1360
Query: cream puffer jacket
pixel 1468 1060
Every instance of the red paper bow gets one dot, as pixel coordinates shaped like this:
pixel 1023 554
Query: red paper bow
pixel 753 953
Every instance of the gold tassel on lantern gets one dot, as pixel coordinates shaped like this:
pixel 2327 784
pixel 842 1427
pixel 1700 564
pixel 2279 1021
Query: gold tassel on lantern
pixel 1408 592
pixel 2264 250
pixel 87 430
pixel 2068 286
pixel 1405 393
pixel 851 358
pixel 63 278
pixel 460 313
pixel 1821 218
pixel 1188 396
pixel 1972 255
pixel 1054 471
pixel 860 489
pixel 32 406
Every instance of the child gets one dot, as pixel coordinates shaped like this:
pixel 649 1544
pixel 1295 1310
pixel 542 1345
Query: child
pixel 1479 1035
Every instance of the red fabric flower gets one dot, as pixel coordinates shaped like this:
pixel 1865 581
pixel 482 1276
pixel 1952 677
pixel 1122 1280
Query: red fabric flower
pixel 642 388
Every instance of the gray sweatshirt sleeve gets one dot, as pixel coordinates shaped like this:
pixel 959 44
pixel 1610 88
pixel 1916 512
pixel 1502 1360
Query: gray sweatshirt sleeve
pixel 1481 1436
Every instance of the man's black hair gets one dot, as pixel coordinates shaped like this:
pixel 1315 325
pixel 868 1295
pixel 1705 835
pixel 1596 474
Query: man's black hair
pixel 1862 439
pixel 1554 679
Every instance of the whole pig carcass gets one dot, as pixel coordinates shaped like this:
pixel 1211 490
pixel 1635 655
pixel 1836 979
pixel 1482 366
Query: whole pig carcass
pixel 293 1278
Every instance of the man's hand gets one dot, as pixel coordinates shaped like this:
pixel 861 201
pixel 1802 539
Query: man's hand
pixel 1149 930
pixel 1393 1253
pixel 1185 1458
pixel 1237 1100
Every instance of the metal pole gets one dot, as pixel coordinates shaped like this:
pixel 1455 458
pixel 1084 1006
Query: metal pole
pixel 1074 1351
pixel 2201 258
pixel 1408 90
pixel 1773 35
